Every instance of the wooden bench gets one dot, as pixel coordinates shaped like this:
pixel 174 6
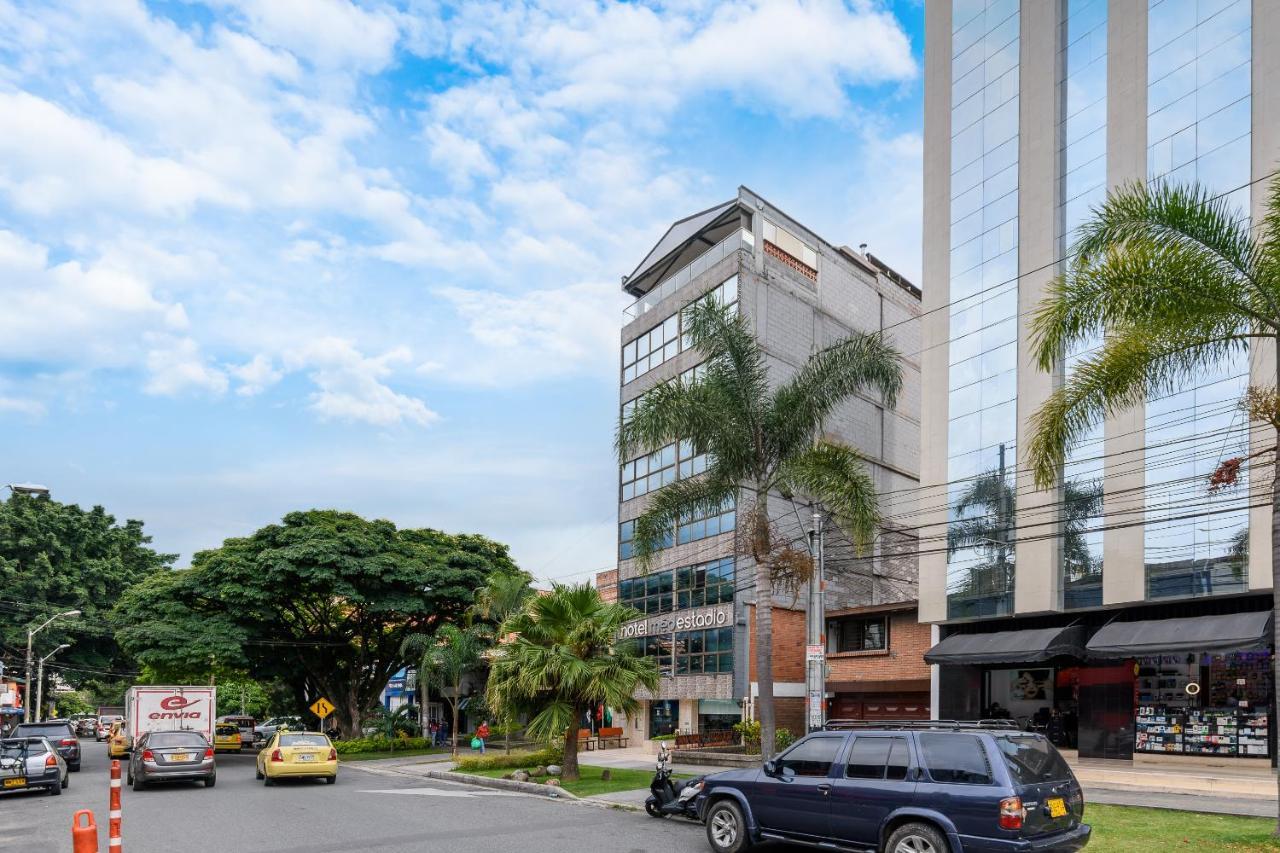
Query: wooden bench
pixel 585 741
pixel 705 739
pixel 612 736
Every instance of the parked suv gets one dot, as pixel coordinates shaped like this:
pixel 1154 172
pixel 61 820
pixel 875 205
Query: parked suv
pixel 60 733
pixel 911 787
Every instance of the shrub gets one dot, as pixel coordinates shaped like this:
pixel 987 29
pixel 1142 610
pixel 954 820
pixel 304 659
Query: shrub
pixel 378 743
pixel 783 738
pixel 514 761
pixel 663 737
pixel 750 732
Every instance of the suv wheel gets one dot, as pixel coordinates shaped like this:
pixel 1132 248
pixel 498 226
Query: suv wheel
pixel 917 838
pixel 726 827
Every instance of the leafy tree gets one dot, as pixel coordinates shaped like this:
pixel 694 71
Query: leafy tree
pixel 445 659
pixel 245 696
pixel 322 601
pixel 765 438
pixel 1177 281
pixel 496 601
pixel 561 658
pixel 56 557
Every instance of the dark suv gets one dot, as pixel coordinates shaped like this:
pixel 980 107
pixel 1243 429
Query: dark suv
pixel 912 787
pixel 60 733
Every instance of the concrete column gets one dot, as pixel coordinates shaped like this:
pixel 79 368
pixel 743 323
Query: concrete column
pixel 936 320
pixel 1262 362
pixel 1123 562
pixel 1037 581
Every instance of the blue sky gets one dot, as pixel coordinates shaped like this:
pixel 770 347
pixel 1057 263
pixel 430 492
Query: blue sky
pixel 263 255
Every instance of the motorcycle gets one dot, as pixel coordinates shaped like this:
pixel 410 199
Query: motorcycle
pixel 665 799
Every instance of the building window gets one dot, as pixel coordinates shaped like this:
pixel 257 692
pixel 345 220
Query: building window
pixel 695 527
pixel 705 583
pixel 654 470
pixel 866 634
pixel 700 652
pixel 649 594
pixel 656 647
pixel 693 374
pixel 626 539
pixel 664 341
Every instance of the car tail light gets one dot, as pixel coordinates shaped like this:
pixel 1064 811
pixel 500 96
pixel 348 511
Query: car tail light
pixel 276 756
pixel 333 754
pixel 1076 800
pixel 148 755
pixel 67 741
pixel 1012 813
pixel 50 761
pixel 208 753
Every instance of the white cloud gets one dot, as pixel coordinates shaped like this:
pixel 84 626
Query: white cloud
pixel 21 406
pixel 351 386
pixel 256 375
pixel 177 366
pixel 326 33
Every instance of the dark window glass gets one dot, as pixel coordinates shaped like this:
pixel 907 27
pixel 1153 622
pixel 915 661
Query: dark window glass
pixel 899 760
pixel 53 731
pixel 1032 760
pixel 858 635
pixel 955 758
pixel 167 739
pixel 812 757
pixel 868 757
pixel 304 740
pixel 16 748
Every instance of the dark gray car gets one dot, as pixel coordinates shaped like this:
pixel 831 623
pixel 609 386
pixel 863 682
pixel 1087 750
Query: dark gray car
pixel 31 762
pixel 173 756
pixel 60 733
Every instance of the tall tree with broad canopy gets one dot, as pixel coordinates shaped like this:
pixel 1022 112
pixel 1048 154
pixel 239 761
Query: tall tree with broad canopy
pixel 1175 281
pixel 323 601
pixel 765 439
pixel 560 656
pixel 56 557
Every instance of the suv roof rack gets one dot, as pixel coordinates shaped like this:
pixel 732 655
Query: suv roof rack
pixel 842 725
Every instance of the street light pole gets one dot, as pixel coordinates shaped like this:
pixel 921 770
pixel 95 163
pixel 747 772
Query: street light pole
pixel 815 665
pixel 26 688
pixel 40 681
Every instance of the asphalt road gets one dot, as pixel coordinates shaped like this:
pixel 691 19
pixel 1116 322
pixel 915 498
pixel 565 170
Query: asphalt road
pixel 367 812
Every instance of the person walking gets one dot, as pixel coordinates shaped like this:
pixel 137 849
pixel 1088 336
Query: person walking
pixel 482 734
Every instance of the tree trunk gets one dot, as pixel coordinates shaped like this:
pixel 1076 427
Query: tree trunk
pixel 453 706
pixel 569 769
pixel 764 628
pixel 1275 589
pixel 351 726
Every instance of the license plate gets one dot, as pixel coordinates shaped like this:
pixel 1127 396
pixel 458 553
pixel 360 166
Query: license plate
pixel 306 756
pixel 16 782
pixel 1057 807
pixel 180 756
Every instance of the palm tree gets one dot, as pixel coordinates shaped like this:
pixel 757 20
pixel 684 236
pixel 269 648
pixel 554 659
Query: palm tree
pixel 564 657
pixel 445 659
pixel 765 439
pixel 1178 282
pixel 504 594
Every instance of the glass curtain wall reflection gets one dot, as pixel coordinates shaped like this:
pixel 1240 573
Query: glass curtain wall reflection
pixel 1083 140
pixel 1198 129
pixel 984 299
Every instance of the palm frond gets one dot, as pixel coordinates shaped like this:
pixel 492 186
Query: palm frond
pixel 672 411
pixel 837 476
pixel 734 360
pixel 857 363
pixel 1133 365
pixel 656 526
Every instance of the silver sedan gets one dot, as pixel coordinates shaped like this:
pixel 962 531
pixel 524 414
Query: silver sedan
pixel 32 762
pixel 173 756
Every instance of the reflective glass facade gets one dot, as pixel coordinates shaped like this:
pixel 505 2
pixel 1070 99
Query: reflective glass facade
pixel 1083 159
pixel 1198 129
pixel 665 341
pixel 982 373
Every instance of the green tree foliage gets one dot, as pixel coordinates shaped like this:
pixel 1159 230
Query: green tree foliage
pixel 563 657
pixel 1174 280
pixel 766 439
pixel 445 658
pixel 322 601
pixel 56 557
pixel 245 696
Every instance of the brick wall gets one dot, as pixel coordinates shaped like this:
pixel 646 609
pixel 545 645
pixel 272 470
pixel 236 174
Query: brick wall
pixel 788 644
pixel 607 583
pixel 908 641
pixel 789 714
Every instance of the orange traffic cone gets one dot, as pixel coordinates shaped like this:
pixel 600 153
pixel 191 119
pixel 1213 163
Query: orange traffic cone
pixel 84 834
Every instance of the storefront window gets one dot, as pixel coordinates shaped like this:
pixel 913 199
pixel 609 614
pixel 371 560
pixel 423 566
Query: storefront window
pixel 1203 704
pixel 664 716
pixel 718 715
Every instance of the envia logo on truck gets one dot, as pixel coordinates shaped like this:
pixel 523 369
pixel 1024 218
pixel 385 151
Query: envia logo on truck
pixel 175 708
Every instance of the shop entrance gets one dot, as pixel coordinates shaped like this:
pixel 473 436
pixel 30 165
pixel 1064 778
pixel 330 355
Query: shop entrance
pixel 664 717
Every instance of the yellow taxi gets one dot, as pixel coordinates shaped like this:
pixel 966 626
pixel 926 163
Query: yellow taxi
pixel 117 741
pixel 298 755
pixel 226 738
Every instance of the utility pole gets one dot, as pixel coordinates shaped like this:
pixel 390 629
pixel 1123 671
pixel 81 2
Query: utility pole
pixel 40 681
pixel 26 688
pixel 815 651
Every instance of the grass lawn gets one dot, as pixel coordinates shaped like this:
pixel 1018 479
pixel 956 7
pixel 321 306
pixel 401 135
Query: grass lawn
pixel 591 784
pixel 1120 829
pixel 399 753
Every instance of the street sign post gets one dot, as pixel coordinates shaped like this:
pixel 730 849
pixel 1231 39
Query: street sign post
pixel 814 653
pixel 322 708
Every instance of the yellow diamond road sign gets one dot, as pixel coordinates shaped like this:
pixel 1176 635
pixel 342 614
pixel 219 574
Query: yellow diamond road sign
pixel 322 707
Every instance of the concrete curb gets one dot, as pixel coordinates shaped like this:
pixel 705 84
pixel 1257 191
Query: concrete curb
pixel 551 792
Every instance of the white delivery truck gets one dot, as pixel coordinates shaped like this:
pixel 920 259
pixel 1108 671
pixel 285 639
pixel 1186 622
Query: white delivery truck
pixel 154 709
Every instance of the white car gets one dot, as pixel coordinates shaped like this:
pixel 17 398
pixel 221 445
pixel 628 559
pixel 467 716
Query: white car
pixel 31 762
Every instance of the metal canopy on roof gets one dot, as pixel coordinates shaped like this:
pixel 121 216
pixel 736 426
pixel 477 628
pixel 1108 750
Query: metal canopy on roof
pixel 1027 646
pixel 1226 633
pixel 678 237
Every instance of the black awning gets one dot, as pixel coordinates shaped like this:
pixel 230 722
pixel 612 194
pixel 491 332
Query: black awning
pixel 1227 633
pixel 1028 646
